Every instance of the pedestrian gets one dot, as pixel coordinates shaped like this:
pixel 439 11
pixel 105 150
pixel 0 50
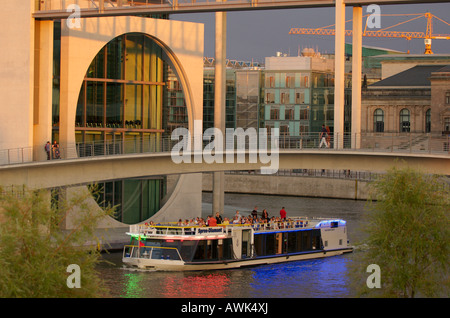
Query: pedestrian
pixel 283 214
pixel 55 148
pixel 48 148
pixel 328 136
pixel 323 137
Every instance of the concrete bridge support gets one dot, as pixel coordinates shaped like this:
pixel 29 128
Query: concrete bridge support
pixel 356 77
pixel 339 75
pixel 219 103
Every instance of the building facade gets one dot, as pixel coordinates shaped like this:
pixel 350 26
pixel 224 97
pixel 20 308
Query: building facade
pixel 102 87
pixel 299 95
pixel 409 107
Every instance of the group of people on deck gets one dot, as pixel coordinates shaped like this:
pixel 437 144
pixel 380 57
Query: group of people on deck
pixel 240 219
pixel 252 219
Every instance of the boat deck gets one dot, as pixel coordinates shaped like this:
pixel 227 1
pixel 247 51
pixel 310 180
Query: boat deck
pixel 172 229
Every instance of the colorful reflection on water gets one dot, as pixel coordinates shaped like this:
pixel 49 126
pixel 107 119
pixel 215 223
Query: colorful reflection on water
pixel 210 285
pixel 311 278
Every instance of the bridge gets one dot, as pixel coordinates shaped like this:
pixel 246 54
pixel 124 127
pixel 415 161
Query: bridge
pixel 57 9
pixel 89 170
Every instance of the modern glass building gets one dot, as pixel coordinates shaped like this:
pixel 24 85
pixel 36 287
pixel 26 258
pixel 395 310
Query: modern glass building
pixel 208 98
pixel 249 97
pixel 299 95
pixel 130 99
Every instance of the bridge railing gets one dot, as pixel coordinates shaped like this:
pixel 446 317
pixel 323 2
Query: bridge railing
pixel 63 5
pixel 375 142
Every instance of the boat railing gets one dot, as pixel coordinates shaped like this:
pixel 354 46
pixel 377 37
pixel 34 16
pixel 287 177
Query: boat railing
pixel 152 252
pixel 280 225
pixel 220 229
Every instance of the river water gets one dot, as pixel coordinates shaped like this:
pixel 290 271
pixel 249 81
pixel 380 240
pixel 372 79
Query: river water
pixel 318 278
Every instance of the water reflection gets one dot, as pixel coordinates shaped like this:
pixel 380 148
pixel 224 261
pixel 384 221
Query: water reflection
pixel 310 278
pixel 209 285
pixel 133 286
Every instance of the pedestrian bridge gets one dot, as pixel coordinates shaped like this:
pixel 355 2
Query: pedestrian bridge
pixel 87 170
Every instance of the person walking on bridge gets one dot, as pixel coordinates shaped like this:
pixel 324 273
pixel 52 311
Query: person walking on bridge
pixel 323 137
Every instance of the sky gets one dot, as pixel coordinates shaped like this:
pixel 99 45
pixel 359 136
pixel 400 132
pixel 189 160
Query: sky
pixel 254 35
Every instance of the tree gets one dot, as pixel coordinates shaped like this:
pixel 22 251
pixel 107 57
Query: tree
pixel 408 234
pixel 35 253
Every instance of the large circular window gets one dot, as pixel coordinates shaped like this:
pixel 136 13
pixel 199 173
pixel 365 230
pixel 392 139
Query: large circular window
pixel 130 100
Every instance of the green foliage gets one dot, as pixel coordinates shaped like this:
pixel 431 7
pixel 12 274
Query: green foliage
pixel 408 234
pixel 35 252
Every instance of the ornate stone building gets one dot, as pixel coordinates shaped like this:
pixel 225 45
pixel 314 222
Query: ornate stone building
pixel 409 108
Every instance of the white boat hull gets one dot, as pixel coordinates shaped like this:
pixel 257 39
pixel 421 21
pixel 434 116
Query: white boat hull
pixel 177 265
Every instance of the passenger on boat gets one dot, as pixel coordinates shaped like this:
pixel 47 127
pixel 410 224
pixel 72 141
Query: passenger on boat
pixel 283 214
pixel 211 221
pixel 265 215
pixel 255 212
pixel 218 218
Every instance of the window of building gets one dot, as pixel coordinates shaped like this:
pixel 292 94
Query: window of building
pixel 289 114
pixel 290 81
pixel 405 117
pixel 306 81
pixel 284 98
pixel 378 120
pixel 270 81
pixel 284 130
pixel 447 98
pixel 304 113
pixel 300 98
pixel 275 113
pixel 447 124
pixel 129 98
pixel 428 121
pixel 270 98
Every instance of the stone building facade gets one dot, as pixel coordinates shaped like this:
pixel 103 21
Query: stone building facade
pixel 409 109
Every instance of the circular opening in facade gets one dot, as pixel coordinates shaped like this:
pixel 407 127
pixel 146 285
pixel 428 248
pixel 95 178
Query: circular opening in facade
pixel 130 101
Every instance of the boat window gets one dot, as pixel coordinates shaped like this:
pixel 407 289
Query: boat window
pixel 306 241
pixel 270 244
pixel 287 242
pixel 292 242
pixel 246 252
pixel 187 250
pixel 259 245
pixel 213 250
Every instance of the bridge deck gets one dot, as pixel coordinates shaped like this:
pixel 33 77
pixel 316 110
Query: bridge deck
pixel 66 172
pixel 58 9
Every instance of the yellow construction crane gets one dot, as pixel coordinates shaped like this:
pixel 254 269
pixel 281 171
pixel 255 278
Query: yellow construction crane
pixel 428 36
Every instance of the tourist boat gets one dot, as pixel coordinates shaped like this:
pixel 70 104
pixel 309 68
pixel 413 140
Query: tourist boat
pixel 166 247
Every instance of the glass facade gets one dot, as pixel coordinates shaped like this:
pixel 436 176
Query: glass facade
pixel 122 94
pixel 287 102
pixel 129 100
pixel 300 102
pixel 208 98
pixel 249 93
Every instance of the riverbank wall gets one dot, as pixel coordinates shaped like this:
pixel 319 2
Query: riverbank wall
pixel 321 186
